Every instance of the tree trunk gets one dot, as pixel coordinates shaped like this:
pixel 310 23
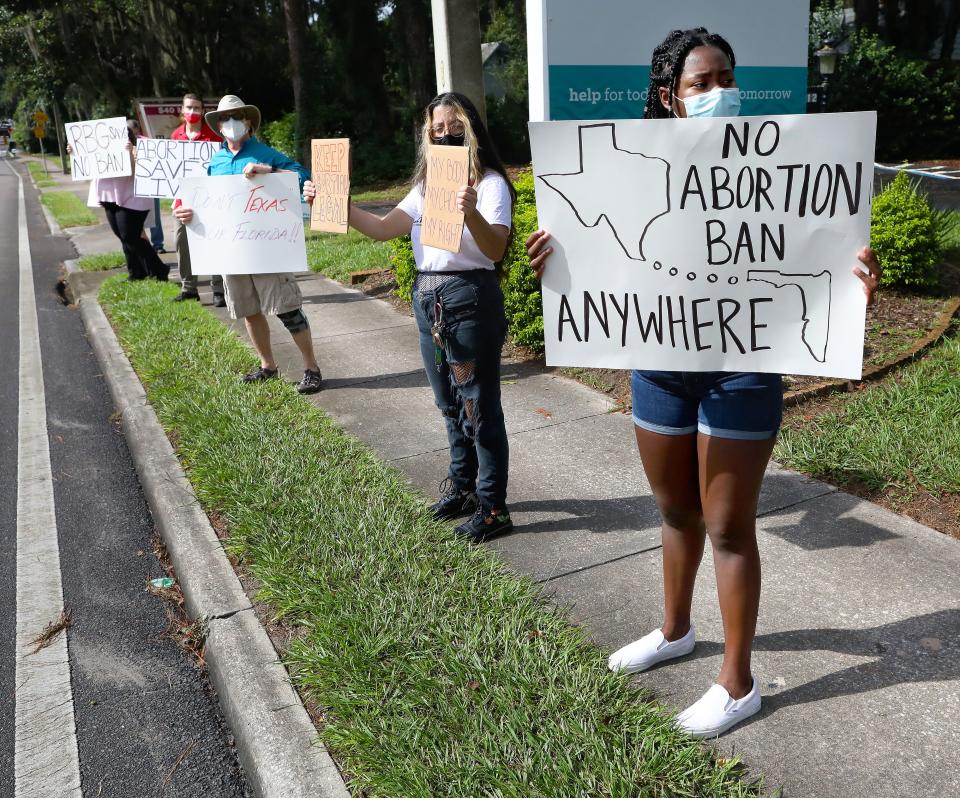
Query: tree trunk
pixel 295 14
pixel 414 19
pixel 868 13
pixel 950 26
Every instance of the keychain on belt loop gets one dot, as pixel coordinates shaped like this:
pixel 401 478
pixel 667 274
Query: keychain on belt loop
pixel 436 330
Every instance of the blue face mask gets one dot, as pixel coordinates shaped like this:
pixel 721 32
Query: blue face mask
pixel 716 102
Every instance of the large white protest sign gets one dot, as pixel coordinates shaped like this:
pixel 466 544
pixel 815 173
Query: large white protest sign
pixel 163 163
pixel 706 244
pixel 99 148
pixel 245 225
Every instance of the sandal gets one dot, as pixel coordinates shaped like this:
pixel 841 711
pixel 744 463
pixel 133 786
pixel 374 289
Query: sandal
pixel 311 382
pixel 260 374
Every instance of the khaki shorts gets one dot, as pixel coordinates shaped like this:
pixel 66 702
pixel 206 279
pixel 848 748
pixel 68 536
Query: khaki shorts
pixel 249 294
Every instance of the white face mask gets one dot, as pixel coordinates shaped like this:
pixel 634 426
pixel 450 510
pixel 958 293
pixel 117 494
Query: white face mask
pixel 716 102
pixel 234 129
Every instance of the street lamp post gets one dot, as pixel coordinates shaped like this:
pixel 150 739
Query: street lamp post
pixel 827 64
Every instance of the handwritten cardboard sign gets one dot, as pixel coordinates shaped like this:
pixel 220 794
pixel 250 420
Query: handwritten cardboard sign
pixel 163 163
pixel 706 244
pixel 99 148
pixel 448 170
pixel 245 225
pixel 331 175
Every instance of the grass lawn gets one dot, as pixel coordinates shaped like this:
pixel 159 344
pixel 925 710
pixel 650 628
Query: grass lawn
pixel 68 209
pixel 433 669
pixel 336 255
pixel 102 262
pixel 381 192
pixel 951 236
pixel 893 440
pixel 39 176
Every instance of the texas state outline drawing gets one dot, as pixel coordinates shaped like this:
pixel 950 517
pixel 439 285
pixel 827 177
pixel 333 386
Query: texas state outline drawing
pixel 644 179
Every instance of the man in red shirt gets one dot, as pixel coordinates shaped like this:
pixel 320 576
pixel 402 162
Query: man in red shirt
pixel 193 129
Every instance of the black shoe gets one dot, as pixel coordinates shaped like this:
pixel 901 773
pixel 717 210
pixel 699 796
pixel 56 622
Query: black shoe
pixel 260 374
pixel 219 301
pixel 184 295
pixel 311 382
pixel 485 524
pixel 453 502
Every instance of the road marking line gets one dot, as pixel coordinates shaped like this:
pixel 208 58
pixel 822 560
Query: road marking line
pixel 46 761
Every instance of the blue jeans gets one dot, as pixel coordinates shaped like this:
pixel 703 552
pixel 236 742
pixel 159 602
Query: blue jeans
pixel 739 405
pixel 465 377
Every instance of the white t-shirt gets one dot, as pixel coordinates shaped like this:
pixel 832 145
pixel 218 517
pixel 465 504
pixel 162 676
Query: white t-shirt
pixel 494 205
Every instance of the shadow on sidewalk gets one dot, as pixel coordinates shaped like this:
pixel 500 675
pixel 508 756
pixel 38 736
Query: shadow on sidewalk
pixel 598 516
pixel 813 533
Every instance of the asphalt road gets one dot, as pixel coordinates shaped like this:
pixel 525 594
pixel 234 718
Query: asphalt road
pixel 147 720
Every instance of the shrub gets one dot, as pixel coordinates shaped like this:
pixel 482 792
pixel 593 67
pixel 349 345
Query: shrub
pixel 904 233
pixel 281 134
pixel 404 266
pixel 521 291
pixel 910 96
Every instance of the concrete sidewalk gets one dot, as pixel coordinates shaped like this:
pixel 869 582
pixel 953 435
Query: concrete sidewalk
pixel 858 646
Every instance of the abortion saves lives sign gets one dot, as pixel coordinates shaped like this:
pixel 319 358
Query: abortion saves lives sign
pixel 245 225
pixel 163 163
pixel 706 244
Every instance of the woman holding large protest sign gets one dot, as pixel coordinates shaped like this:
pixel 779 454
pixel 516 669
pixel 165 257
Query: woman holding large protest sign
pixel 459 310
pixel 126 214
pixel 251 296
pixel 705 438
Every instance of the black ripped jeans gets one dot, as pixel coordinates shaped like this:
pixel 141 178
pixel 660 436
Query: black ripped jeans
pixel 142 259
pixel 465 377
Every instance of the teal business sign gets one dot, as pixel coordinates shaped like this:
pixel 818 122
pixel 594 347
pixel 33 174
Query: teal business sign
pixel 620 92
pixel 591 60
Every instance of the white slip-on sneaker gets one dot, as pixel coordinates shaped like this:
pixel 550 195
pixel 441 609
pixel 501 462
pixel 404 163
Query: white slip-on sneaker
pixel 716 711
pixel 649 650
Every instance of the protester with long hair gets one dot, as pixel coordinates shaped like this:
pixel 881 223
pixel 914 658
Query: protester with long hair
pixel 459 311
pixel 705 438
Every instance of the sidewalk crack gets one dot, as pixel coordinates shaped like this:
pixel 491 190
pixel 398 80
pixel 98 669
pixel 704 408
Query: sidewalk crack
pixel 583 568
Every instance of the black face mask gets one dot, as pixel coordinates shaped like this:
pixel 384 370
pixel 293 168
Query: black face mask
pixel 450 141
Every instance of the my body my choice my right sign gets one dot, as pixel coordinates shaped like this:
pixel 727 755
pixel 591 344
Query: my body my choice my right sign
pixel 706 244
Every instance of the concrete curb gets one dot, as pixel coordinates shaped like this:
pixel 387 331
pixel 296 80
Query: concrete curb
pixel 273 733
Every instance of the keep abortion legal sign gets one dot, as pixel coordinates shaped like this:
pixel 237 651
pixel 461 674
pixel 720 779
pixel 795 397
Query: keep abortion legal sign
pixel 706 244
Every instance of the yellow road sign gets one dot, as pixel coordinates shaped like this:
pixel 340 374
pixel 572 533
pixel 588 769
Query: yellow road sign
pixel 39 118
pixel 39 131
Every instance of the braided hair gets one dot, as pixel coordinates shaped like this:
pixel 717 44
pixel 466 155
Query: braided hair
pixel 668 60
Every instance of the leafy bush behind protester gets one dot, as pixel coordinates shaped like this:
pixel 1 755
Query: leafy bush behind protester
pixel 281 134
pixel 521 291
pixel 370 160
pixel 905 233
pixel 917 102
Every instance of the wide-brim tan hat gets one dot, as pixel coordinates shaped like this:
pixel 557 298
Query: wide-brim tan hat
pixel 230 103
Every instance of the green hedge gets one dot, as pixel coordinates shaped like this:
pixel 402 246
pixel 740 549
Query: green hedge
pixel 521 290
pixel 917 102
pixel 904 233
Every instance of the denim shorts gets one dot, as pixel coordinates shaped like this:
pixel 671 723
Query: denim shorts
pixel 743 406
